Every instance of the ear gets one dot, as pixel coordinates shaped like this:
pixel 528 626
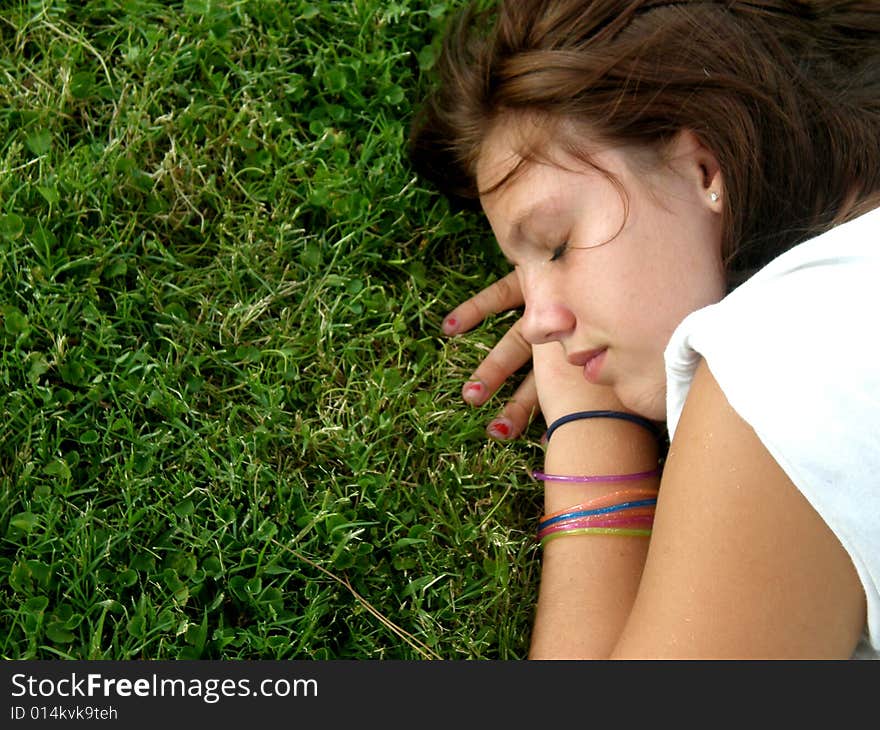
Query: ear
pixel 700 167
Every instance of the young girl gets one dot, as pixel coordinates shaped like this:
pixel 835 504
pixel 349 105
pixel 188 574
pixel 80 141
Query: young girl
pixel 688 193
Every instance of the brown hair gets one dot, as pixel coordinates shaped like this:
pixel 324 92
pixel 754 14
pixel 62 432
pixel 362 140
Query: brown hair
pixel 785 93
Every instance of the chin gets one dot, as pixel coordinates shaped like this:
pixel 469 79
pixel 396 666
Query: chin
pixel 647 402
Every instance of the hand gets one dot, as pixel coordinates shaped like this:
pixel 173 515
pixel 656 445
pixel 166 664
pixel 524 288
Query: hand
pixel 509 355
pixel 561 387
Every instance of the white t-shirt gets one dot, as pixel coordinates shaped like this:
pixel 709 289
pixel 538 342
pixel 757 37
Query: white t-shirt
pixel 796 350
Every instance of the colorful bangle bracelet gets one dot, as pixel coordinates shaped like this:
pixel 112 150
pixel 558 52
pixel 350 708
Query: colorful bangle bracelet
pixel 609 500
pixel 622 531
pixel 642 522
pixel 580 415
pixel 609 515
pixel 542 477
pixel 627 507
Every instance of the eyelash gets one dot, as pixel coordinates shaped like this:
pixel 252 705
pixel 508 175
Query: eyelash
pixel 559 252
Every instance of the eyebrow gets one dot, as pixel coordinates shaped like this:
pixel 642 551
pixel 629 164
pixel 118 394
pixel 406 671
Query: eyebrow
pixel 544 206
pixel 517 233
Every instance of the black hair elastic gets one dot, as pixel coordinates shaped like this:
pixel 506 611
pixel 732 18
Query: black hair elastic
pixel 631 417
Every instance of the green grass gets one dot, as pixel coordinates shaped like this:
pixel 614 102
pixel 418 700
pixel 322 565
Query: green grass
pixel 229 427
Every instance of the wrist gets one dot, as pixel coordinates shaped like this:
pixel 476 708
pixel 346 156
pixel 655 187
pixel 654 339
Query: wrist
pixel 594 448
pixel 601 446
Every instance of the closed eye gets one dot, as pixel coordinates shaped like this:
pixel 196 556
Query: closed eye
pixel 559 251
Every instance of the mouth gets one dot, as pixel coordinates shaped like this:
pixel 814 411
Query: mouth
pixel 591 361
pixel 579 359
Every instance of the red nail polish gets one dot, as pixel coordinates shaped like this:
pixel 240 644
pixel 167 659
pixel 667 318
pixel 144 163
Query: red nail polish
pixel 499 428
pixel 474 393
pixel 450 324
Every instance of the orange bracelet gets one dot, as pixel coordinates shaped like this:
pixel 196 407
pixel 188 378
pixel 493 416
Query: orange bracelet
pixel 608 500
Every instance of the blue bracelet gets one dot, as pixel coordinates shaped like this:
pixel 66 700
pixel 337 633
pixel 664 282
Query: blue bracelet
pixel 598 511
pixel 631 417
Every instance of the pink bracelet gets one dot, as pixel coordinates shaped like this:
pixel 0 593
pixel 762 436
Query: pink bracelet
pixel 640 521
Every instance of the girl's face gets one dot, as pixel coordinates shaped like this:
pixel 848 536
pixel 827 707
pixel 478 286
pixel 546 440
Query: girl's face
pixel 609 276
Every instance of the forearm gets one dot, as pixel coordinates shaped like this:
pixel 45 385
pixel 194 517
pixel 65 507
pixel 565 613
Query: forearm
pixel 589 582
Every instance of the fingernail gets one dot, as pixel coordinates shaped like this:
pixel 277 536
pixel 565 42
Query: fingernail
pixel 500 429
pixel 450 326
pixel 473 392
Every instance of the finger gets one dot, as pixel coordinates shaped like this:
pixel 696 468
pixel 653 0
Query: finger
pixel 517 413
pixel 499 296
pixel 510 353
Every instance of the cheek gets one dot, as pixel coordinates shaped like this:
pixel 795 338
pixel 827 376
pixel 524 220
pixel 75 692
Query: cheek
pixel 640 286
pixel 645 301
pixel 686 293
pixel 680 269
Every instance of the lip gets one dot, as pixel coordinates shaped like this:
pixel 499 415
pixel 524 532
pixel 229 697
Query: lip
pixel 579 359
pixel 591 361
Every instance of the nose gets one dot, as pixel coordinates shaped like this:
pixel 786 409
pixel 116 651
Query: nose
pixel 546 318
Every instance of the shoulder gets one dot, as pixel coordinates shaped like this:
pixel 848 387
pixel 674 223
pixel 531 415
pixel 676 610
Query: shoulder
pixel 776 391
pixel 804 321
pixel 740 565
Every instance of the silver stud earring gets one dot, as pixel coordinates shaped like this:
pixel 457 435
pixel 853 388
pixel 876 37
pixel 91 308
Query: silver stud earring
pixel 713 196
